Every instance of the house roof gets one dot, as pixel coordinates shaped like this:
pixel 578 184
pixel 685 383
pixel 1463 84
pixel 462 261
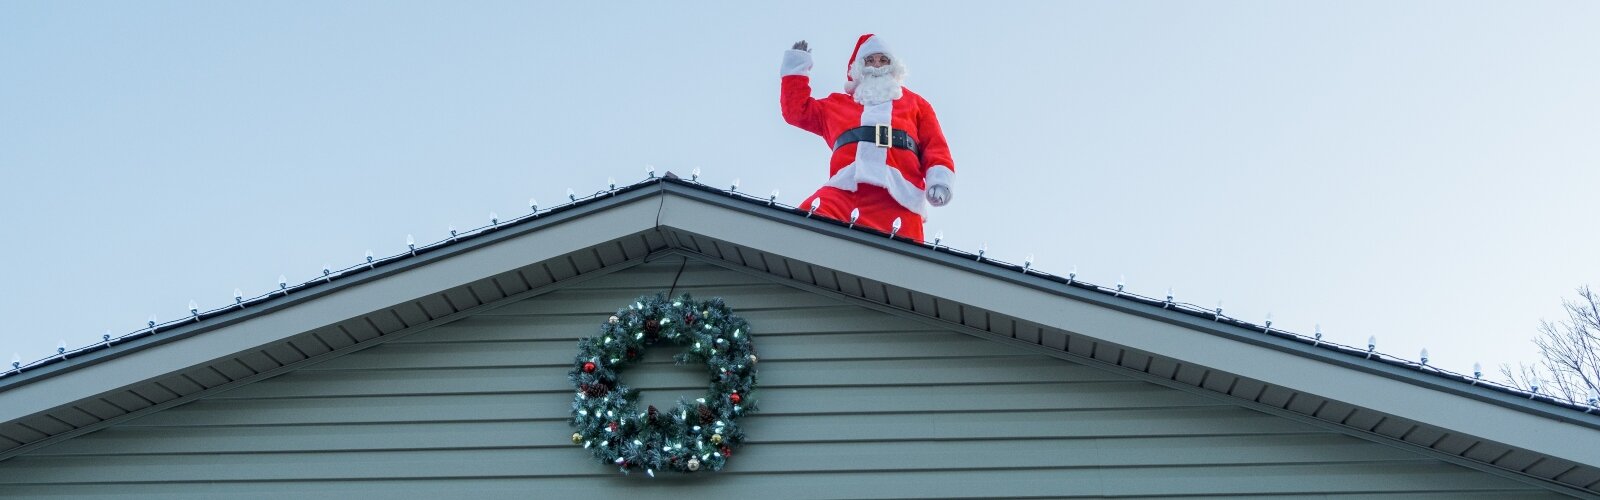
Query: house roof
pixel 1456 417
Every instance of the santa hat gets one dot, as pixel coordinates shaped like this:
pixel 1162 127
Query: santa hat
pixel 867 45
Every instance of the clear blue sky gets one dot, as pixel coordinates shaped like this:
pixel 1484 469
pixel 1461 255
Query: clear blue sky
pixel 1421 171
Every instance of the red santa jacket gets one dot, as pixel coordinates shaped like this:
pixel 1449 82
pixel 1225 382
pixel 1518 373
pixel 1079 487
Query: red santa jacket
pixel 897 170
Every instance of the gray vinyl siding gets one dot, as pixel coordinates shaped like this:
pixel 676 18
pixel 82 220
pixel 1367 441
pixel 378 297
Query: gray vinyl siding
pixel 855 403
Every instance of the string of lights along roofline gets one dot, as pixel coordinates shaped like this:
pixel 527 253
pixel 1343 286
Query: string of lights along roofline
pixel 370 261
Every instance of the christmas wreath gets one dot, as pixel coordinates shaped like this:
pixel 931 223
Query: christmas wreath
pixel 698 434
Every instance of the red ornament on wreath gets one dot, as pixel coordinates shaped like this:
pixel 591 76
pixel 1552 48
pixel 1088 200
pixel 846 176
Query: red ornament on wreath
pixel 588 367
pixel 734 397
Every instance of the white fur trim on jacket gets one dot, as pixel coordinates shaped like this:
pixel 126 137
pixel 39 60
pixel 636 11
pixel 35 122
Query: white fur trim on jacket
pixel 940 175
pixel 795 62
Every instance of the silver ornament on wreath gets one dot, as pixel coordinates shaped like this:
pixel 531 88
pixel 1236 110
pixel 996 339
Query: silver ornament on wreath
pixel 696 435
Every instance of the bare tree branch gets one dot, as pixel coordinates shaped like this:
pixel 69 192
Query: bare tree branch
pixel 1569 350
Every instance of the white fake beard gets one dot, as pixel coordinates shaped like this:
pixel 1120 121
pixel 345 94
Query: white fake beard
pixel 877 86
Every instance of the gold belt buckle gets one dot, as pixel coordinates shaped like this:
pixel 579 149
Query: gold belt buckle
pixel 882 135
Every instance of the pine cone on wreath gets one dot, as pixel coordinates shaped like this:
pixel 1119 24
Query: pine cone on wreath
pixel 706 416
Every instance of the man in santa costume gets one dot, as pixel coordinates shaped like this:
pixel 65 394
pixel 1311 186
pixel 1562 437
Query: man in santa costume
pixel 890 160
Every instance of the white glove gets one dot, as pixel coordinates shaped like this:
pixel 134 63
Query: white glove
pixel 938 195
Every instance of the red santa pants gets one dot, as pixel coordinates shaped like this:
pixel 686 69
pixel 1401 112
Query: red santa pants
pixel 878 209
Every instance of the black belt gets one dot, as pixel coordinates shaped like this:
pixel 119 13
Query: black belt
pixel 881 136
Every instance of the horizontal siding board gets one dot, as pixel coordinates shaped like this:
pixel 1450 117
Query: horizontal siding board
pixel 663 374
pixel 839 486
pixel 1056 396
pixel 761 428
pixel 495 470
pixel 878 456
pixel 573 327
pixel 603 302
pixel 561 351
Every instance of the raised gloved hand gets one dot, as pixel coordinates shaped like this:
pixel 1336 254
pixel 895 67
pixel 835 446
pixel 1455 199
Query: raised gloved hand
pixel 938 195
pixel 801 45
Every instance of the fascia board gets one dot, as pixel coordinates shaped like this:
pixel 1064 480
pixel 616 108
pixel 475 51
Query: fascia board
pixel 702 214
pixel 457 265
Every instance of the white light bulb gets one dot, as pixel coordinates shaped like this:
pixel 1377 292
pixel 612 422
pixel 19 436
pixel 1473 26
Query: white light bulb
pixel 16 361
pixel 1027 263
pixel 1424 356
pixel 62 347
pixel 411 243
pixel 611 182
pixel 694 175
pixel 938 237
pixel 533 205
pixel 1477 370
pixel 106 337
pixel 1318 332
pixel 452 230
pixel 494 219
pixel 1121 282
pixel 894 227
pixel 650 170
pixel 1169 295
pixel 1073 274
pixel 735 186
pixel 369 256
pixel 1268 322
pixel 855 214
pixel 194 309
pixel 773 199
pixel 1218 316
pixel 1372 343
pixel 815 204
pixel 283 282
pixel 238 296
pixel 982 249
pixel 572 195
pixel 151 322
